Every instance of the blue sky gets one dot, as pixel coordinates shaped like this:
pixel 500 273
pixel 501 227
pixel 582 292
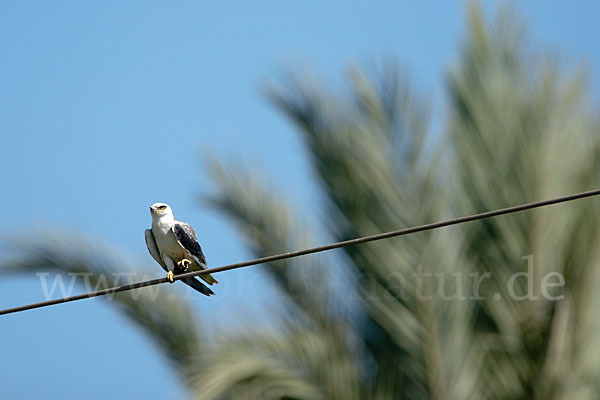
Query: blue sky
pixel 107 107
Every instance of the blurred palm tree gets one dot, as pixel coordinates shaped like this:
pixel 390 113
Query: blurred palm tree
pixel 429 315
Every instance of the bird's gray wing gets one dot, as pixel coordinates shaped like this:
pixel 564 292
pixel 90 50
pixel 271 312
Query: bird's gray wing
pixel 153 248
pixel 186 237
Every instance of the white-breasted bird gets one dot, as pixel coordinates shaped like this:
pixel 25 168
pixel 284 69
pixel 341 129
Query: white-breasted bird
pixel 173 244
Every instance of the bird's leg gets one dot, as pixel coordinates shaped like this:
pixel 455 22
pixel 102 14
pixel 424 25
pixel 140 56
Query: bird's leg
pixel 170 267
pixel 184 264
pixel 170 277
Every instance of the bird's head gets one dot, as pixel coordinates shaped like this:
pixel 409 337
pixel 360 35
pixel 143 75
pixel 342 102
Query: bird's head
pixel 159 210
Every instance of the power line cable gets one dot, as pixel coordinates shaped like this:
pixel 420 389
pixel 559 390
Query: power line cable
pixel 318 249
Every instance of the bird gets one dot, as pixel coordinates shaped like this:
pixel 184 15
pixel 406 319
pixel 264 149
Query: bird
pixel 173 244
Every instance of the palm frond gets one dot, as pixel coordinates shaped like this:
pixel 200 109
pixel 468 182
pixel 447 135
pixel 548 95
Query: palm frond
pixel 369 155
pixel 521 132
pixel 168 320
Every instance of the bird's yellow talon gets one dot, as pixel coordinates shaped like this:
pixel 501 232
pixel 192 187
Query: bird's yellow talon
pixel 184 264
pixel 170 276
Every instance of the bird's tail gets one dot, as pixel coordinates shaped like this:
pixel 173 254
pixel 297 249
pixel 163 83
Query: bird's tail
pixel 208 278
pixel 197 285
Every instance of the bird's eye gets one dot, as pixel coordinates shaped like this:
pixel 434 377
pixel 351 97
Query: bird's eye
pixel 162 207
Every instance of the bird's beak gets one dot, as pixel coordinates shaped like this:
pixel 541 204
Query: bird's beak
pixel 151 211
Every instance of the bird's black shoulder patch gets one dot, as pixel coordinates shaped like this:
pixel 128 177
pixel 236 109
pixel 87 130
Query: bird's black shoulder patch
pixel 185 237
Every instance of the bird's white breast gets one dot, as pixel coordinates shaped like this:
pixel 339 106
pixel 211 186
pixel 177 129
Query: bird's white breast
pixel 166 241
